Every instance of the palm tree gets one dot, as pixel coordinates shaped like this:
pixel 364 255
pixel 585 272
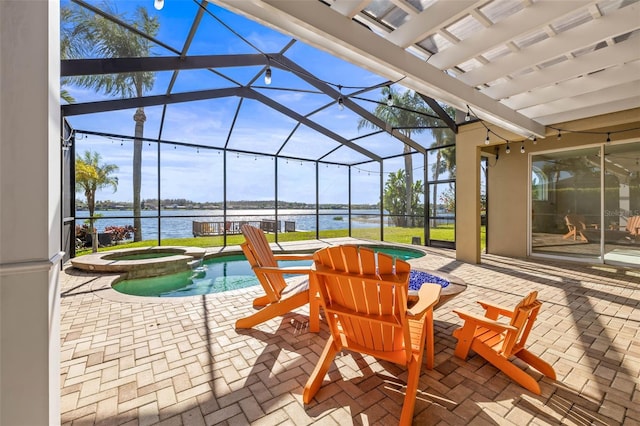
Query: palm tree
pixel 92 176
pixel 409 114
pixel 86 35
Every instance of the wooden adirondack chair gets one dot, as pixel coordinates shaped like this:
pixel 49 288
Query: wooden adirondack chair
pixel 497 342
pixel 365 303
pixel 575 224
pixel 280 296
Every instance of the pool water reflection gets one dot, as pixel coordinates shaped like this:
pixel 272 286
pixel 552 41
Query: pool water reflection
pixel 220 274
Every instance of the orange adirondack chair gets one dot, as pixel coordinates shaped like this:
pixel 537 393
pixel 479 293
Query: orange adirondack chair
pixel 280 296
pixel 365 303
pixel 497 342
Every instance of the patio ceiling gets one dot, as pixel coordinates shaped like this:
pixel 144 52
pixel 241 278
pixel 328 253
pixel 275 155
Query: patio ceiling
pixel 520 64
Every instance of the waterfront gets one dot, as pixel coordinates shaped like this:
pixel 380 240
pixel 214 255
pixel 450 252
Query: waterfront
pixel 177 223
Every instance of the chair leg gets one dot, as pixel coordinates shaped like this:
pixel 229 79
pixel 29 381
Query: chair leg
pixel 507 367
pixel 464 335
pixel 317 376
pixel 409 404
pixel 261 301
pixel 314 307
pixel 274 310
pixel 537 363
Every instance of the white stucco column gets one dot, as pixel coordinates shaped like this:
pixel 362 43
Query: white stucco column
pixel 468 193
pixel 30 219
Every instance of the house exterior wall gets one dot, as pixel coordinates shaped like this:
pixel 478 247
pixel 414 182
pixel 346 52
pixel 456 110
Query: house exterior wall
pixel 30 219
pixel 509 209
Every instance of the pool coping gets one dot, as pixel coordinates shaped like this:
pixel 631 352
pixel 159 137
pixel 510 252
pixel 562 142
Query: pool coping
pixel 103 285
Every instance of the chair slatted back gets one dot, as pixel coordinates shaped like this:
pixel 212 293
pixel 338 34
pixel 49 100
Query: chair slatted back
pixel 365 299
pixel 633 223
pixel 259 254
pixel 576 221
pixel 524 316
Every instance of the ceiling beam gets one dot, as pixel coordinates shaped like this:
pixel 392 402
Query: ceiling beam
pixel 430 20
pixel 318 25
pixel 349 8
pixel 77 67
pixel 618 22
pixel 147 101
pixel 568 88
pixel 435 106
pixel 595 61
pixel 522 22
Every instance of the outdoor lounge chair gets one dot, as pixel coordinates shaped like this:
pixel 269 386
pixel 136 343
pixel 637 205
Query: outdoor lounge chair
pixel 366 308
pixel 497 342
pixel 576 225
pixel 281 295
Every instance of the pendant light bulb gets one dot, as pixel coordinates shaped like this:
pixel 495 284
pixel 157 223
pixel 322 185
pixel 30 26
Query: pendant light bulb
pixel 467 117
pixel 487 141
pixel 340 103
pixel 535 140
pixel 608 137
pixel 508 149
pixel 522 149
pixel 559 135
pixel 158 4
pixel 390 100
pixel 267 76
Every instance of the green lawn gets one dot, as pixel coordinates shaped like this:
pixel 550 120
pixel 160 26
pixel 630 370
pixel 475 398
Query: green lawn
pixel 391 234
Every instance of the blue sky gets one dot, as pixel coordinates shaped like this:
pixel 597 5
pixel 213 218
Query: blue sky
pixel 196 174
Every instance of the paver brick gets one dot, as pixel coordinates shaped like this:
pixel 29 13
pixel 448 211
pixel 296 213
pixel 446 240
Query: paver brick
pixel 183 362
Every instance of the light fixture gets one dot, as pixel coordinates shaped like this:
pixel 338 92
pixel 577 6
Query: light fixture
pixel 535 140
pixel 522 148
pixel 340 100
pixel 389 97
pixel 158 4
pixel 267 75
pixel 559 135
pixel 487 141
pixel 468 116
pixel 608 137
pixel 507 149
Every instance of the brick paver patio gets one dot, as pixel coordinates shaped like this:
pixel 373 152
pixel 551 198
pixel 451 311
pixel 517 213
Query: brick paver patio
pixel 181 362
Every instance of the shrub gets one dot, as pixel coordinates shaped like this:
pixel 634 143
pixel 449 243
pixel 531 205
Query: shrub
pixel 119 233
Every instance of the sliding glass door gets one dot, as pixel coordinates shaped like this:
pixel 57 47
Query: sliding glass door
pixel 586 204
pixel 622 204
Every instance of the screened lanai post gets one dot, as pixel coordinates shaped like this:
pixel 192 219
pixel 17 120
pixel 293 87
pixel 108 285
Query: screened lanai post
pixel 381 201
pixel 467 224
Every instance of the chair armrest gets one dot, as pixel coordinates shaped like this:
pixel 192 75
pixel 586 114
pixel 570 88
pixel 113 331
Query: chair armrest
pixel 294 256
pixel 484 321
pixel 428 296
pixel 499 309
pixel 283 270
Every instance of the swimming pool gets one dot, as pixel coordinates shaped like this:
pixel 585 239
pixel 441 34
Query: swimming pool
pixel 220 274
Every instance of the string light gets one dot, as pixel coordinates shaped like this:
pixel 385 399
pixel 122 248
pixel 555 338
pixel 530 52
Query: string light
pixel 487 141
pixel 522 148
pixel 608 137
pixel 559 135
pixel 389 97
pixel 340 100
pixel 267 73
pixel 468 116
pixel 158 4
pixel 508 148
pixel 535 140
